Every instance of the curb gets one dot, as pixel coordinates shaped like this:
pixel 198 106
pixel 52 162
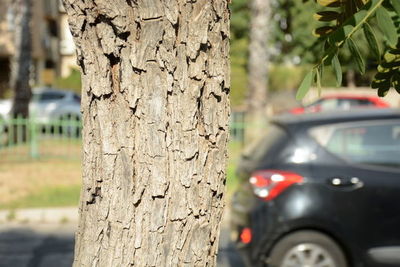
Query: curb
pixel 40 215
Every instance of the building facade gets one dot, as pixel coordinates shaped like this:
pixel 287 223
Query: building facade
pixel 53 51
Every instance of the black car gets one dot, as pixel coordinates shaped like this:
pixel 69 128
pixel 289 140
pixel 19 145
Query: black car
pixel 321 190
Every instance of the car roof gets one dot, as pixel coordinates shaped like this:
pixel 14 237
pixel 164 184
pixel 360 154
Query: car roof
pixel 335 116
pixel 349 96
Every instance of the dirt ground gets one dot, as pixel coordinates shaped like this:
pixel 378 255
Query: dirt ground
pixel 21 176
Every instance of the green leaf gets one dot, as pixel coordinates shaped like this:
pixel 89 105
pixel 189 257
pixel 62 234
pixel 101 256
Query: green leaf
pixel 337 38
pixel 372 41
pixel 340 34
pixel 396 82
pixel 305 85
pixel 396 5
pixel 338 70
pixel 354 22
pixel 383 91
pixel 386 24
pixel 326 15
pixel 329 3
pixel 357 56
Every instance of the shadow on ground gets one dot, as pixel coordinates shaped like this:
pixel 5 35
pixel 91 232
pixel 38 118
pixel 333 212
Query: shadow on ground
pixel 52 245
pixel 36 246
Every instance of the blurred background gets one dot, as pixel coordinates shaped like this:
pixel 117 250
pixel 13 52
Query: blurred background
pixel 272 48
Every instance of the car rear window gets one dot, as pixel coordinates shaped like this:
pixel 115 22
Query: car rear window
pixel 372 143
pixel 261 146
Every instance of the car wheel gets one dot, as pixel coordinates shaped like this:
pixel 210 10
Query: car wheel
pixel 307 249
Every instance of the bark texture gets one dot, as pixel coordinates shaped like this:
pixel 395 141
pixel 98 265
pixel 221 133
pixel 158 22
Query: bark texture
pixel 258 56
pixel 155 113
pixel 22 58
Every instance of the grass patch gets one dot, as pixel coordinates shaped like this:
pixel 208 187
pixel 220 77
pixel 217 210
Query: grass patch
pixel 22 177
pixel 54 181
pixel 62 196
pixel 234 150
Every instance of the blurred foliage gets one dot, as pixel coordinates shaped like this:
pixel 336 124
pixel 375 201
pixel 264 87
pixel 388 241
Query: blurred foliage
pixel 238 71
pixel 358 25
pixel 291 44
pixel 289 77
pixel 287 42
pixel 72 82
pixel 293 47
pixel 291 50
pixel 240 19
pixel 239 51
pixel 285 77
pixel 278 77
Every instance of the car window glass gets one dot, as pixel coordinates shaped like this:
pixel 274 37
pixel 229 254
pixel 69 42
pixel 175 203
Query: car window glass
pixel 316 103
pixel 364 102
pixel 258 148
pixel 329 104
pixel 50 96
pixel 354 102
pixel 346 103
pixel 374 143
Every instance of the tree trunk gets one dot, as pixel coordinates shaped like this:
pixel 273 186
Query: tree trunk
pixel 258 64
pixel 155 114
pixel 351 78
pixel 22 59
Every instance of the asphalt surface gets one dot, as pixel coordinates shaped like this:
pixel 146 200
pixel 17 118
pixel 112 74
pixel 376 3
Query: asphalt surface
pixel 52 244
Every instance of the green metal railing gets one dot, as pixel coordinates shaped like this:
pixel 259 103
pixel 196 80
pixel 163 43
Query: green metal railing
pixel 29 138
pixel 21 137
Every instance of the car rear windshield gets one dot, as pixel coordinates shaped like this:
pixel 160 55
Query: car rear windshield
pixel 261 146
pixel 372 142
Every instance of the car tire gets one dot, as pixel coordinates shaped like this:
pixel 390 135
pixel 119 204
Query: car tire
pixel 306 248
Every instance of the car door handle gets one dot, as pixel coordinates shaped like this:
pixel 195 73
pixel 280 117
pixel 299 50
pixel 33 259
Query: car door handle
pixel 339 182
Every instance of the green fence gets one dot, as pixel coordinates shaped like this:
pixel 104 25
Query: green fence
pixel 28 138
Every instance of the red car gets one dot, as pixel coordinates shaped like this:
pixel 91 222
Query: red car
pixel 341 102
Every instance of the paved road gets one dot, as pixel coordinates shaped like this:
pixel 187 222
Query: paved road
pixel 36 245
pixel 51 245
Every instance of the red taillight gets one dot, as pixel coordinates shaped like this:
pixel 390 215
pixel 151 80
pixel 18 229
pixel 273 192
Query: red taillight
pixel 245 235
pixel 269 184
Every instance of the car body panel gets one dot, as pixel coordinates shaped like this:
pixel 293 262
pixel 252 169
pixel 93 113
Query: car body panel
pixel 47 105
pixel 359 217
pixel 339 101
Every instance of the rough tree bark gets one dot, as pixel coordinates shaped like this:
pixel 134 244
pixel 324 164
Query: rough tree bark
pixel 22 58
pixel 155 114
pixel 257 66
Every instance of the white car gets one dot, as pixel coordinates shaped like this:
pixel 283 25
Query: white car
pixel 48 105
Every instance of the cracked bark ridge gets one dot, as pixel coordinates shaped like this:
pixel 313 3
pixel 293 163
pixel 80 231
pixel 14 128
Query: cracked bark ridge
pixel 155 111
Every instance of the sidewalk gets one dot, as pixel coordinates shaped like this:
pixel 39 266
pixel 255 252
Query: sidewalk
pixel 40 215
